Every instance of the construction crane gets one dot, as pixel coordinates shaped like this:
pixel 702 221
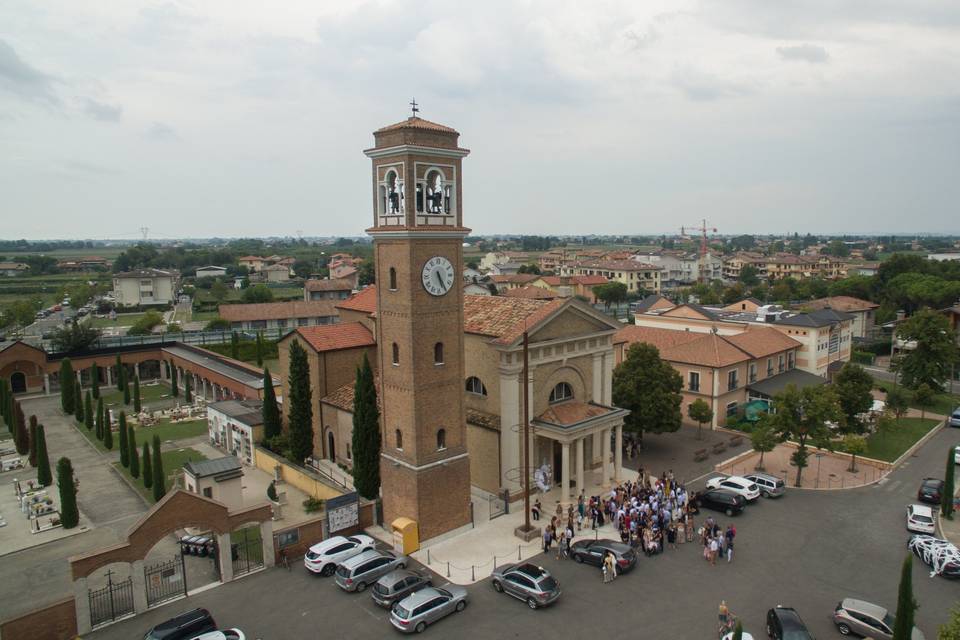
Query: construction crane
pixel 703 229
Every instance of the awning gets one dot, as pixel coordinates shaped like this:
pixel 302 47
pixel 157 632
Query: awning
pixel 770 387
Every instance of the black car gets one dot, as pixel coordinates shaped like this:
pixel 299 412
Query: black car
pixel 189 624
pixel 931 490
pixel 784 623
pixel 721 500
pixel 593 551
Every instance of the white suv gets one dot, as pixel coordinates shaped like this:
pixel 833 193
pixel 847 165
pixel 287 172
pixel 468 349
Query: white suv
pixel 920 518
pixel 736 484
pixel 324 557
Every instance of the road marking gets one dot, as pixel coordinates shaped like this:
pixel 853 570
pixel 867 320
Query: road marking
pixel 893 485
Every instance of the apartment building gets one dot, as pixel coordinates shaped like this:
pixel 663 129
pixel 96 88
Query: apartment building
pixel 145 287
pixel 637 276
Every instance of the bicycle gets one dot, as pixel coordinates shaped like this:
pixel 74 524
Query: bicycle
pixel 727 627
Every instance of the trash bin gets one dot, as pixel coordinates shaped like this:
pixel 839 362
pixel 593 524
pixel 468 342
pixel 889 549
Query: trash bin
pixel 406 536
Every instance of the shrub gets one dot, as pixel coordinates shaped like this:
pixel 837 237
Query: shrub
pixel 312 505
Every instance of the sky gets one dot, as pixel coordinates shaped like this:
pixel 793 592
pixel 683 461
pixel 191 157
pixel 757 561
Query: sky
pixel 234 118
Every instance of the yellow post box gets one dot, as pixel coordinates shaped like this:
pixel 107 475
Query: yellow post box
pixel 406 536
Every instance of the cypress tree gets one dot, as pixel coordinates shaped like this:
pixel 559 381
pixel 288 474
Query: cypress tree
pixel 95 380
pixel 133 454
pixel 946 497
pixel 126 390
pixel 78 401
pixel 234 346
pixel 738 631
pixel 137 403
pixel 3 400
pixel 67 386
pixel 187 392
pixel 119 366
pixel 906 604
pixel 146 469
pixel 159 482
pixel 44 477
pixel 301 409
pixel 366 433
pixel 21 436
pixel 259 348
pixel 122 443
pixel 173 380
pixel 88 410
pixel 69 515
pixel 270 411
pixel 33 442
pixel 99 423
pixel 107 431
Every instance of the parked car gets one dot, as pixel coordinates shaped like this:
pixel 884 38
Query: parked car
pixel 784 623
pixel 940 555
pixel 920 518
pixel 354 574
pixel 770 486
pixel 324 557
pixel 528 582
pixel 954 420
pixel 867 620
pixel 930 490
pixel 222 634
pixel 745 636
pixel 184 626
pixel 738 485
pixel 721 500
pixel 426 606
pixel 397 585
pixel 593 551
pixel 956 454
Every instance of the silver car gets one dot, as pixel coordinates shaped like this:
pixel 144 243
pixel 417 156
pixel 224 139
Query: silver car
pixel 354 574
pixel 868 620
pixel 954 420
pixel 397 585
pixel 416 611
pixel 770 486
pixel 528 582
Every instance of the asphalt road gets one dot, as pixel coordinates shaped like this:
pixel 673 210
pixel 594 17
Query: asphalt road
pixel 808 550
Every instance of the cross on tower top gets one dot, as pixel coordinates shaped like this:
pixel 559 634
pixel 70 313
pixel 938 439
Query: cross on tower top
pixel 413 105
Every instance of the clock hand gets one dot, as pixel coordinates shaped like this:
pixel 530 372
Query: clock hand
pixel 440 280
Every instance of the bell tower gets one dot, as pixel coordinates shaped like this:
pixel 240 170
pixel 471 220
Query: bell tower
pixel 418 250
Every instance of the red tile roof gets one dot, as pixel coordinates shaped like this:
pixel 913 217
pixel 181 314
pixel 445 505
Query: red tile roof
pixel 333 337
pixel 841 303
pixel 519 278
pixel 589 280
pixel 337 284
pixel 277 310
pixel 504 318
pixel 619 265
pixel 762 342
pixel 711 350
pixel 570 413
pixel 660 338
pixel 416 123
pixel 365 301
pixel 531 292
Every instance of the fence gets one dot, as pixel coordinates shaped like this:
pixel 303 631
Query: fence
pixel 865 474
pixel 197 338
pixel 165 580
pixel 112 601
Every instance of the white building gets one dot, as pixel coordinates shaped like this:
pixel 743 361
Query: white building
pixel 144 287
pixel 210 272
pixel 682 269
pixel 220 479
pixel 235 426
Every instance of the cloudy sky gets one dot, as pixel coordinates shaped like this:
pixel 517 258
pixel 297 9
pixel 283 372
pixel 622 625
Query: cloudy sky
pixel 233 118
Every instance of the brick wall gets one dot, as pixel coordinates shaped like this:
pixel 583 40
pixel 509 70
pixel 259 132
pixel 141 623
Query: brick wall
pixel 57 621
pixel 311 532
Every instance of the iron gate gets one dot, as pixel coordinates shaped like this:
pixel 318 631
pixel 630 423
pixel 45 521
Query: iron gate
pixel 246 550
pixel 165 581
pixel 112 601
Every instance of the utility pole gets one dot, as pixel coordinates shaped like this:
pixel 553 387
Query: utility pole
pixel 526 532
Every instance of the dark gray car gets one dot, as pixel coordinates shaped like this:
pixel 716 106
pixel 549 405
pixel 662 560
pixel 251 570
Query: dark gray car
pixel 397 585
pixel 528 582
pixel 416 611
pixel 356 573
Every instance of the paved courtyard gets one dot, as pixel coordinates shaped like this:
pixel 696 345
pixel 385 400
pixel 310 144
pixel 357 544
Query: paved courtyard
pixel 807 550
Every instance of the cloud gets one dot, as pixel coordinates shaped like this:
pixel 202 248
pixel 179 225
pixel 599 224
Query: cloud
pixel 20 79
pixel 704 87
pixel 161 131
pixel 101 111
pixel 807 52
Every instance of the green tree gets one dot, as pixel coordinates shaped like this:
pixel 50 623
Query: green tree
pixel 218 290
pixel 946 496
pixel 187 391
pixel 122 443
pixel 146 464
pixel 144 326
pixel 95 380
pixel 897 401
pixel 137 400
pixel 88 417
pixel 258 293
pixel 217 324
pixel 21 434
pixel 99 419
pixel 69 514
pixel 853 386
pixel 32 456
pixel 74 337
pixel 78 402
pixel 923 396
pixel 738 631
pixel 270 411
pixel 127 396
pixel 906 604
pixel 749 275
pixel 950 630
pixel 107 431
pixel 174 385
pixel 700 412
pixel 611 293
pixel 133 454
pixel 650 388
pixel 366 274
pixel 235 346
pixel 764 438
pixel 259 348
pixel 159 480
pixel 300 416
pixel 44 476
pixel 935 352
pixel 802 416
pixel 67 386
pixel 855 445
pixel 366 433
pixel 119 368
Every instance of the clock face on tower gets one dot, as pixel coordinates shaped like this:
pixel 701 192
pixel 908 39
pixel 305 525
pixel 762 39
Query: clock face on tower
pixel 437 275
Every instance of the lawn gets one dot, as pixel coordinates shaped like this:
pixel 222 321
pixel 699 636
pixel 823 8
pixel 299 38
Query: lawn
pixel 943 403
pixel 889 444
pixel 112 398
pixel 173 430
pixel 123 320
pixel 172 461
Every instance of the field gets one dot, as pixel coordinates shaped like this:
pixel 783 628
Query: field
pixel 43 287
pixel 889 444
pixel 123 320
pixel 167 430
pixel 235 295
pixel 62 254
pixel 113 399
pixel 172 461
pixel 943 403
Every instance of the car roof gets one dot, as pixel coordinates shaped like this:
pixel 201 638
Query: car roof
pixel 765 476
pixel 921 509
pixel 861 606
pixel 417 598
pixel 723 492
pixel 606 543
pixel 933 481
pixel 789 617
pixel 369 554
pixel 181 618
pixel 397 575
pixel 529 569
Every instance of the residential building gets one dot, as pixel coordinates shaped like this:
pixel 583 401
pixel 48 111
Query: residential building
pixel 681 268
pixel 210 272
pixel 863 269
pixel 941 257
pixel 235 426
pixel 863 312
pixel 252 263
pixel 279 315
pixel 637 276
pixel 531 292
pixel 220 479
pixel 12 269
pixel 734 264
pixel 274 273
pixel 551 260
pixel 331 289
pixel 651 303
pixel 495 258
pixel 475 289
pixel 472 275
pixel 144 287
pixel 512 281
pixel 785 265
pixel 346 272
pixel 505 269
pixel 89 263
pixel 570 286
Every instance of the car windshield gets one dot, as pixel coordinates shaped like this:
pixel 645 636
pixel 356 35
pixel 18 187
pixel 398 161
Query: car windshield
pixel 379 588
pixel 444 592
pixel 752 487
pixel 888 620
pixel 919 518
pixel 548 584
pixel 400 612
pixel 312 555
pixel 342 571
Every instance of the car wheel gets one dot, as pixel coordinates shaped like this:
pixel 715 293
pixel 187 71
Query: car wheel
pixel 401 566
pixel 461 605
pixel 497 586
pixel 843 629
pixel 578 558
pixel 765 494
pixel 361 587
pixel 769 631
pixel 531 603
pixel 729 511
pixel 420 627
pixel 328 570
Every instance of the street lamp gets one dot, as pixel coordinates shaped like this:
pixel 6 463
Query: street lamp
pixel 819 456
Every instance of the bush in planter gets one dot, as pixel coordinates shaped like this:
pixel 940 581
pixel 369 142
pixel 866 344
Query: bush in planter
pixel 272 492
pixel 312 505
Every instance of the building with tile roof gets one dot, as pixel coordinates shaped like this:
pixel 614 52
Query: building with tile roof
pixel 636 276
pixel 329 289
pixel 279 315
pixel 531 292
pixel 863 312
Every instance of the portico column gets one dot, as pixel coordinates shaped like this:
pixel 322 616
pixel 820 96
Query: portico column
pixel 266 534
pixel 225 559
pixel 618 454
pixel 81 598
pixel 46 384
pixel 136 369
pixel 139 584
pixel 580 484
pixel 511 440
pixel 605 444
pixel 598 371
pixel 565 471
pixel 109 371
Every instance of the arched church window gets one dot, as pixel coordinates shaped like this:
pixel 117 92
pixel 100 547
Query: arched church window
pixel 563 391
pixel 435 192
pixel 438 353
pixel 396 353
pixel 393 279
pixel 441 439
pixel 393 193
pixel 399 438
pixel 475 385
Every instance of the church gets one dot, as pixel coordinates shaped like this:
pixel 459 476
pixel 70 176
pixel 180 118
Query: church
pixel 449 365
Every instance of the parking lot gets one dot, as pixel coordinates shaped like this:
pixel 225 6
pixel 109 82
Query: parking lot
pixel 808 550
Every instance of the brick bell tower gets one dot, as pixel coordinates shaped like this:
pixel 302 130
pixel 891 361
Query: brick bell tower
pixel 418 237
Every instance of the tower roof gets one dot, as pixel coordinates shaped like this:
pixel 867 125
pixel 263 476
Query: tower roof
pixel 415 122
